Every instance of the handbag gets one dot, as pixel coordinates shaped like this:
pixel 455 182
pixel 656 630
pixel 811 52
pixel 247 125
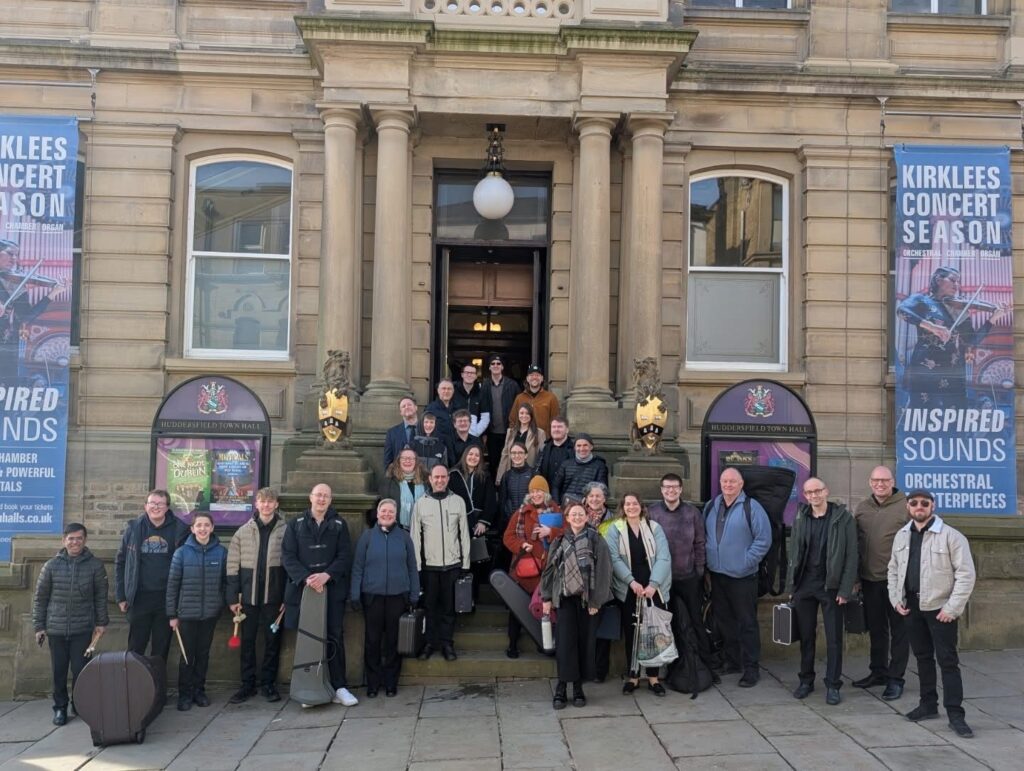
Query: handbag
pixel 527 568
pixel 478 551
pixel 655 644
pixel 537 606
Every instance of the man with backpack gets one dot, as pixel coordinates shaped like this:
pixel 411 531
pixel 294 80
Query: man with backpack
pixel 737 537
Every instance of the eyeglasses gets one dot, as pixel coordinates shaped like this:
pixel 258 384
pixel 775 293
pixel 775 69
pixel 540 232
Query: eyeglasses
pixel 819 491
pixel 881 481
pixel 922 503
pixel 671 487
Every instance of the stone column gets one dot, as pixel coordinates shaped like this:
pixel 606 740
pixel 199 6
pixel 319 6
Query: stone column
pixel 340 274
pixel 640 287
pixel 590 276
pixel 389 351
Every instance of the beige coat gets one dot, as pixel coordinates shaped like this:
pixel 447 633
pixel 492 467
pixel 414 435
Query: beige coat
pixel 533 448
pixel 440 532
pixel 947 569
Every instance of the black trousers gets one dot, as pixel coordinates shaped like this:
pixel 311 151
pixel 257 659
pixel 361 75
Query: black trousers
pixel 495 444
pixel 735 606
pixel 147 623
pixel 380 642
pixel 685 598
pixel 575 639
pixel 806 601
pixel 336 642
pixel 628 611
pixel 439 604
pixel 932 640
pixel 259 618
pixel 66 652
pixel 197 637
pixel 890 645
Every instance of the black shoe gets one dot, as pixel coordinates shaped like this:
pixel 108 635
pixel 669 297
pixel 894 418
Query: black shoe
pixel 870 681
pixel 270 693
pixel 958 724
pixel 803 691
pixel 60 715
pixel 427 652
pixel 579 699
pixel 628 687
pixel 715 679
pixel 656 688
pixel 512 652
pixel 832 696
pixel 892 692
pixel 243 694
pixel 184 703
pixel 731 669
pixel 201 699
pixel 749 680
pixel 560 700
pixel 921 712
pixel 389 692
pixel 448 652
pixel 371 693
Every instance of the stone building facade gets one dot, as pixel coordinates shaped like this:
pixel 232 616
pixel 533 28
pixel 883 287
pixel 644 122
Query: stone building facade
pixel 353 126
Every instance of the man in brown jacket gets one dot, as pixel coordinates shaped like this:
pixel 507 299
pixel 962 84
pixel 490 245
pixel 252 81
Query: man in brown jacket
pixel 879 517
pixel 544 403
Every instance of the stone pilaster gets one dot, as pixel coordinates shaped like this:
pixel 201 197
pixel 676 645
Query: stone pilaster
pixel 340 274
pixel 590 277
pixel 389 353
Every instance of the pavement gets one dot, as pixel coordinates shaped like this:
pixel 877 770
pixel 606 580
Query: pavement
pixel 511 725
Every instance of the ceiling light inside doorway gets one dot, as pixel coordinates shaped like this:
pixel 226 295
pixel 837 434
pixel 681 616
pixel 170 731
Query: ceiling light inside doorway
pixel 493 196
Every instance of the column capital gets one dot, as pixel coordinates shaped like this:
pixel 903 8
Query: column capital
pixel 649 123
pixel 345 114
pixel 397 116
pixel 591 122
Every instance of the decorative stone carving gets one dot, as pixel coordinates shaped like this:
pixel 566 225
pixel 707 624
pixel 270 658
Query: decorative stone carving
pixel 333 407
pixel 651 414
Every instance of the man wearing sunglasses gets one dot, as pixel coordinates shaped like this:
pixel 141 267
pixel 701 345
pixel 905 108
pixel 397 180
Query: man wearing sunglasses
pixel 931 577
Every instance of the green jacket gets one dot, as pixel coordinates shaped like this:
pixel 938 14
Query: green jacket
pixel 840 551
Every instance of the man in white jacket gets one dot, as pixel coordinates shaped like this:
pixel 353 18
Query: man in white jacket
pixel 931 577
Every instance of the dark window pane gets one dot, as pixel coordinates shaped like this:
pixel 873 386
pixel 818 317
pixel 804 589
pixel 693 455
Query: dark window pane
pixel 242 207
pixel 971 7
pixel 457 220
pixel 240 304
pixel 713 3
pixel 765 4
pixel 911 6
pixel 736 222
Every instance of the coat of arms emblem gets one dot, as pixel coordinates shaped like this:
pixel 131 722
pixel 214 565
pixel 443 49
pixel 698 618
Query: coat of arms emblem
pixel 651 415
pixel 333 405
pixel 759 402
pixel 213 399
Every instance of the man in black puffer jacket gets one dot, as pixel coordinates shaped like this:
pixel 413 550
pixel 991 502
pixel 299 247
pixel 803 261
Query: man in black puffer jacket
pixel 70 602
pixel 579 471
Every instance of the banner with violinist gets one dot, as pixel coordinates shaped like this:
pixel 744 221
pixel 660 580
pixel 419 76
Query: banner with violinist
pixel 38 162
pixel 954 327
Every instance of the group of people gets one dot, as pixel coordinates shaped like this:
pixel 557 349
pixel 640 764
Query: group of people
pixel 589 566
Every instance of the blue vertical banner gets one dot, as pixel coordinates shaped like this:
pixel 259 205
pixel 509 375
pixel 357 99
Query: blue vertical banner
pixel 954 327
pixel 38 162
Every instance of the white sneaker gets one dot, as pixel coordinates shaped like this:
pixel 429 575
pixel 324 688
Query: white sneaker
pixel 343 696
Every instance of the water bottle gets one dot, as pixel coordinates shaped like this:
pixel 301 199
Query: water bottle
pixel 546 633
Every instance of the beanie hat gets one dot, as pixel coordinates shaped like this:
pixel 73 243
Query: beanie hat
pixel 539 483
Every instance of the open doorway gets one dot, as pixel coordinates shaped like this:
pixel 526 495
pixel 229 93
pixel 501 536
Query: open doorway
pixel 490 299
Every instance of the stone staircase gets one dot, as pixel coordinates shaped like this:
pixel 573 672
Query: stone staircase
pixel 480 640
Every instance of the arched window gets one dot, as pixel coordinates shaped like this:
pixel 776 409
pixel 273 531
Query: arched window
pixel 239 259
pixel 738 263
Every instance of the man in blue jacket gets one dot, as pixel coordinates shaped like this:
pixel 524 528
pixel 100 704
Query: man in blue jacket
pixel 738 535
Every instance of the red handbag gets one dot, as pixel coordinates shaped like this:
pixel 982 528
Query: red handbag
pixel 527 568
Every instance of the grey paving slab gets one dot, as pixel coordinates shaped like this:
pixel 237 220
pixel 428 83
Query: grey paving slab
pixel 7 706
pixel 296 740
pixel 30 722
pixel 297 761
pixel 292 715
pixel 768 691
pixel 526 693
pixel 521 719
pixel 978 685
pixel 64 748
pixel 170 720
pixel 823 751
pixel 1010 710
pixel 372 743
pixel 454 700
pixel 979 721
pixel 224 741
pixel 693 739
pixel 993 662
pixel 603 700
pixel 483 764
pixel 855 701
pixel 10 750
pixel 534 750
pixel 405 704
pixel 883 730
pixel 932 758
pixel 600 742
pixel 456 738
pixel 157 753
pixel 785 720
pixel 999 749
pixel 680 708
pixel 763 762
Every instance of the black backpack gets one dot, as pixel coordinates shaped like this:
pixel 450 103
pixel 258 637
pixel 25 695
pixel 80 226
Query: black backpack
pixel 770 486
pixel 688 673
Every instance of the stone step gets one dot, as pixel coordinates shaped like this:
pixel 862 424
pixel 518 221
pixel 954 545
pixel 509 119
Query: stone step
pixel 331 461
pixel 482 638
pixel 344 480
pixel 483 616
pixel 473 665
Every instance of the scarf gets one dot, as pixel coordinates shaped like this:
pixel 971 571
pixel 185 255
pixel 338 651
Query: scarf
pixel 577 561
pixel 410 493
pixel 595 517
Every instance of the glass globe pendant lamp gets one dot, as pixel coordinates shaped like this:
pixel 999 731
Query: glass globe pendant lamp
pixel 493 197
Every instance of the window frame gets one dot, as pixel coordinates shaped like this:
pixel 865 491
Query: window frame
pixel 192 255
pixel 935 10
pixel 739 4
pixel 782 365
pixel 77 258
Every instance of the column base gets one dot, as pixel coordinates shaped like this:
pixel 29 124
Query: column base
pixel 386 391
pixel 591 395
pixel 635 472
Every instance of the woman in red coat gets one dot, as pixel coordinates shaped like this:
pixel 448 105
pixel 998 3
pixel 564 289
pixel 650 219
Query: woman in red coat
pixel 528 540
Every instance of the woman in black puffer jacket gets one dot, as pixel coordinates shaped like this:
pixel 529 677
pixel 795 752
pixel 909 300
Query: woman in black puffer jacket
pixel 195 598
